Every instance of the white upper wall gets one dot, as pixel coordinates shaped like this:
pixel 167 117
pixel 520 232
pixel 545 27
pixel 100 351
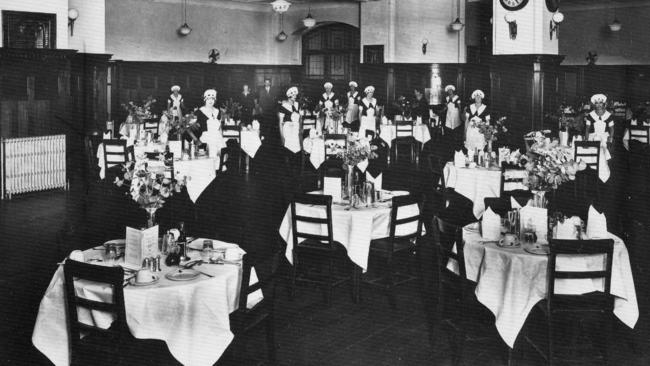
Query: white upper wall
pixel 58 7
pixel 90 28
pixel 532 30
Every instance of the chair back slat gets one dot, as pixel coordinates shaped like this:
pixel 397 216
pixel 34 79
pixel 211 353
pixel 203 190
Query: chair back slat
pixel 403 128
pixel 322 202
pixel 151 125
pixel 115 152
pixel 512 178
pixel 640 133
pixel 399 226
pixel 588 152
pixel 231 132
pixel 445 235
pixel 572 248
pixel 114 276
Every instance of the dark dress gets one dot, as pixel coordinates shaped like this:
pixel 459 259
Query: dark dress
pixel 421 108
pixel 353 123
pixel 247 102
pixel 292 159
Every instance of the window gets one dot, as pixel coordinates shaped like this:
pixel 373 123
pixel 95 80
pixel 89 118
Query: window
pixel 329 51
pixel 315 66
pixel 337 65
pixel 28 30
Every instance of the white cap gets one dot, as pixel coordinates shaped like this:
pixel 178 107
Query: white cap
pixel 369 89
pixel 353 83
pixel 292 92
pixel 598 98
pixel 328 85
pixel 479 93
pixel 210 93
pixel 176 88
pixel 450 87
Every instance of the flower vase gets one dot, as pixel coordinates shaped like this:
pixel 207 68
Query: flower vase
pixel 151 216
pixel 539 199
pixel 349 185
pixel 489 146
pixel 564 138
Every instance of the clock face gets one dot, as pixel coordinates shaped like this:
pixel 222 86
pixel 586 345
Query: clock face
pixel 513 4
pixel 552 5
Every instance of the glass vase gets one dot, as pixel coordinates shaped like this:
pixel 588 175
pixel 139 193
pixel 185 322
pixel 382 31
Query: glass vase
pixel 151 216
pixel 349 185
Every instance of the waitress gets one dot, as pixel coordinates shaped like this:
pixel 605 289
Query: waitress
pixel 367 112
pixel 328 101
pixel 175 103
pixel 476 113
pixel 352 112
pixel 600 127
pixel 289 125
pixel 208 119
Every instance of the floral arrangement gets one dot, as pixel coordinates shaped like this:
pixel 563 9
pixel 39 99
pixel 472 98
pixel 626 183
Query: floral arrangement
pixel 358 150
pixel 403 105
pixel 138 113
pixel 148 189
pixel 305 103
pixel 549 165
pixel 491 132
pixel 232 108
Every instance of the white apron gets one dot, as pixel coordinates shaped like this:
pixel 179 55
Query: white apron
pixel 212 137
pixel 368 122
pixel 291 133
pixel 453 114
pixel 352 113
pixel 176 104
pixel 601 134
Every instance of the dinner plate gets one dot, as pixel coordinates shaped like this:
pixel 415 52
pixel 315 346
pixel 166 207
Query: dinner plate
pixel 182 275
pixel 538 249
pixel 501 244
pixel 398 193
pixel 197 244
pixel 133 282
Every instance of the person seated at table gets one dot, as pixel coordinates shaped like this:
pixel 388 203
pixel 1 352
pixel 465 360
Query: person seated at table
pixel 289 126
pixel 476 113
pixel 175 103
pixel 208 120
pixel 367 112
pixel 639 119
pixel 352 109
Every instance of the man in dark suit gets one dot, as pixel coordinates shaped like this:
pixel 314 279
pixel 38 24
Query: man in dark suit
pixel 268 103
pixel 248 102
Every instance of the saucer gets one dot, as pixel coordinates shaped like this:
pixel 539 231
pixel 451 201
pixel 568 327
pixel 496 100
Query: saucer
pixel 501 244
pixel 537 249
pixel 182 275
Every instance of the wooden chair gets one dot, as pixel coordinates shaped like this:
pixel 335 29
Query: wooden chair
pixel 640 133
pixel 512 185
pixel 466 320
pixel 151 125
pixel 114 345
pixel 321 245
pixel 230 160
pixel 398 241
pixel 558 309
pixel 589 152
pixel 404 136
pixel 245 319
pixel 231 132
pixel 308 123
pixel 116 153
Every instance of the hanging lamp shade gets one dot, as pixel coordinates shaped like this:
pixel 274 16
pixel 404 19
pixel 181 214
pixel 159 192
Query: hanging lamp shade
pixel 457 25
pixel 309 21
pixel 280 6
pixel 281 36
pixel 615 26
pixel 184 30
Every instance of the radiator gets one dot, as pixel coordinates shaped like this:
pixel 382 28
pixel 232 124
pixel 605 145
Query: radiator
pixel 31 164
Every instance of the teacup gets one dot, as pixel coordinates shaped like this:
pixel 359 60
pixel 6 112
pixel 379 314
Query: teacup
pixel 509 240
pixel 144 276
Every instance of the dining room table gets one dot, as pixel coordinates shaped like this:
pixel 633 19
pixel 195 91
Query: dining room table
pixel 511 280
pixel 191 315
pixel 475 183
pixel 354 228
pixel 388 133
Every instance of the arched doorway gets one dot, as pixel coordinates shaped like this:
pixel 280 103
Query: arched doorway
pixel 330 52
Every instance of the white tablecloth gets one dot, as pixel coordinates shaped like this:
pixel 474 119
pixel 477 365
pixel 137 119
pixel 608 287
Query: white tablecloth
pixel 191 317
pixel 511 281
pixel 138 150
pixel 250 141
pixel 475 184
pixel 199 174
pixel 352 228
pixel 388 133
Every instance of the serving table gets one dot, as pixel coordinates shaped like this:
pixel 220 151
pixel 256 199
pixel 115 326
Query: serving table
pixel 474 183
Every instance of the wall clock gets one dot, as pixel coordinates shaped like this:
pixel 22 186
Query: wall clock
pixel 513 5
pixel 552 5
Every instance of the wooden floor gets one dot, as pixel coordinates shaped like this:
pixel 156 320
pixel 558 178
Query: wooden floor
pixel 40 229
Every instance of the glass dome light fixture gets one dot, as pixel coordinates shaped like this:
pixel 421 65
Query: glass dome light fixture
pixel 280 6
pixel 457 25
pixel 184 29
pixel 615 26
pixel 309 21
pixel 281 37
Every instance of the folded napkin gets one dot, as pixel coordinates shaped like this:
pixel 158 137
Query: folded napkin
pixel 596 224
pixel 459 159
pixel 491 225
pixel 418 120
pixel 567 229
pixel 377 181
pixel 504 155
pixel 384 120
pixel 363 165
pixel 107 135
pixel 255 124
pixel 514 204
pixel 537 217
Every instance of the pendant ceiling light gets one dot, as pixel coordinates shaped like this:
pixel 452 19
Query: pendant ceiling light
pixel 457 25
pixel 309 21
pixel 185 29
pixel 280 7
pixel 615 25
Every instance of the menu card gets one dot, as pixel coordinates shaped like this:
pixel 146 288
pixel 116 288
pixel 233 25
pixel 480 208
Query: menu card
pixel 140 244
pixel 176 148
pixel 332 187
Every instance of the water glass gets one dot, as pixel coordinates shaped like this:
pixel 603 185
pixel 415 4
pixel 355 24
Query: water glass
pixel 529 236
